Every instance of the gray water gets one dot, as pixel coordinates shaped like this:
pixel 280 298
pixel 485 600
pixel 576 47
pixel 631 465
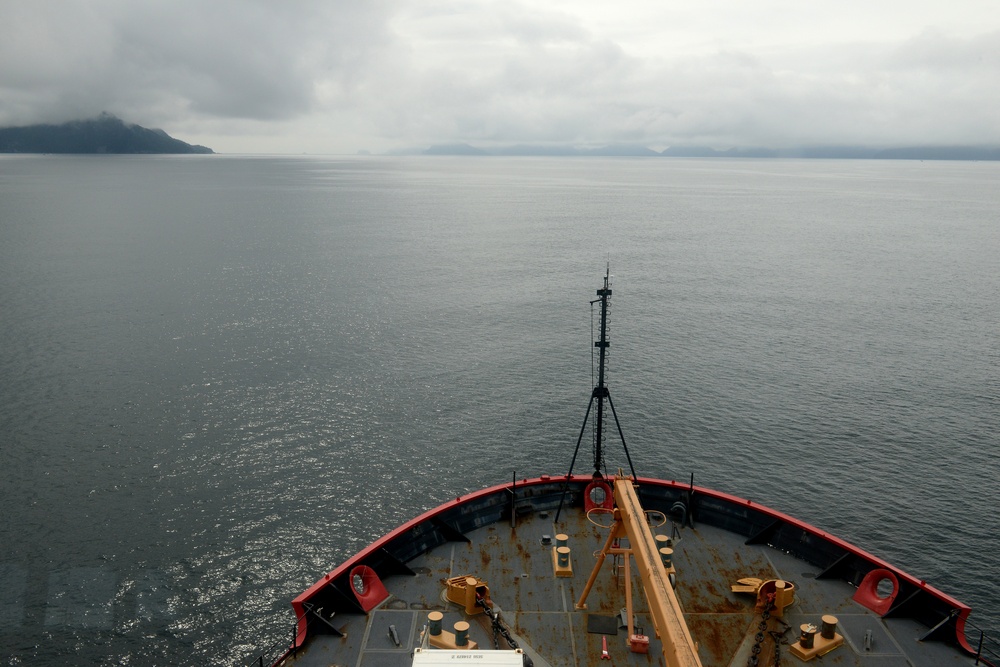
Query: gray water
pixel 224 375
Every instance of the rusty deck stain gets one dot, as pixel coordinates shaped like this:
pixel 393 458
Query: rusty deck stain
pixel 539 608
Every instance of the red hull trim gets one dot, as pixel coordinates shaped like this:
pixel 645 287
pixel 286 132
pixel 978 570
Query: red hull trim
pixel 343 569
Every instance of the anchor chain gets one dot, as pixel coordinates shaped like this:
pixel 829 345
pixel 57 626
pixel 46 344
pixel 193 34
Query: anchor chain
pixel 753 661
pixel 498 627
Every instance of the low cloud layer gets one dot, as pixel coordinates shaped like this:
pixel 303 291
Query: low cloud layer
pixel 341 76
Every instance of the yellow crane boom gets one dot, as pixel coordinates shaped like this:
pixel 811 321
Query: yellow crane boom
pixel 679 649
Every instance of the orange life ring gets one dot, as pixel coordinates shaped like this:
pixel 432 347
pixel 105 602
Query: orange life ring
pixel 598 494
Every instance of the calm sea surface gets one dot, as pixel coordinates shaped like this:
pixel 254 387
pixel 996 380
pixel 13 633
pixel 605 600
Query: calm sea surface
pixel 221 375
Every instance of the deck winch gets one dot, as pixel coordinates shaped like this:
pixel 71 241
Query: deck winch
pixel 464 590
pixel 773 594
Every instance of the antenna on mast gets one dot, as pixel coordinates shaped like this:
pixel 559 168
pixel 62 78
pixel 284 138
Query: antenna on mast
pixel 600 394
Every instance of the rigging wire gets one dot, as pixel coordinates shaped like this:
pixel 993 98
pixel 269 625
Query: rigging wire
pixel 593 418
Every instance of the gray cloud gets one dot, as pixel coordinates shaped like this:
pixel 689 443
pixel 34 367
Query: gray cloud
pixel 226 58
pixel 327 76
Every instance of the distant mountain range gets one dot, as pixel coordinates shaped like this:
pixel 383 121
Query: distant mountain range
pixel 104 134
pixel 109 134
pixel 822 152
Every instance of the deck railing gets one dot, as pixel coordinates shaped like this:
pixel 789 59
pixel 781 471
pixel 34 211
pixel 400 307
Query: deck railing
pixel 272 653
pixel 987 648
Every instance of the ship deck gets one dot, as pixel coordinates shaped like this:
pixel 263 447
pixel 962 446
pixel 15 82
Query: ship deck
pixel 516 561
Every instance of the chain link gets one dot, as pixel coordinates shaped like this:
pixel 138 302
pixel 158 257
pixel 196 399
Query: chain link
pixel 753 661
pixel 498 627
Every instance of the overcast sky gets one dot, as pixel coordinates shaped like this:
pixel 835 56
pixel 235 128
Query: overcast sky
pixel 293 76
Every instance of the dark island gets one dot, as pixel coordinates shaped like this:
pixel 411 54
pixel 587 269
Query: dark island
pixel 104 134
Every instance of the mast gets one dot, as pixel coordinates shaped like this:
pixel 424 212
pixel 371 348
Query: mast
pixel 601 391
pixel 599 395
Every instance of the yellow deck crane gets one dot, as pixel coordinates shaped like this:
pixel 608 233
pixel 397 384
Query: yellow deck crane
pixel 679 649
